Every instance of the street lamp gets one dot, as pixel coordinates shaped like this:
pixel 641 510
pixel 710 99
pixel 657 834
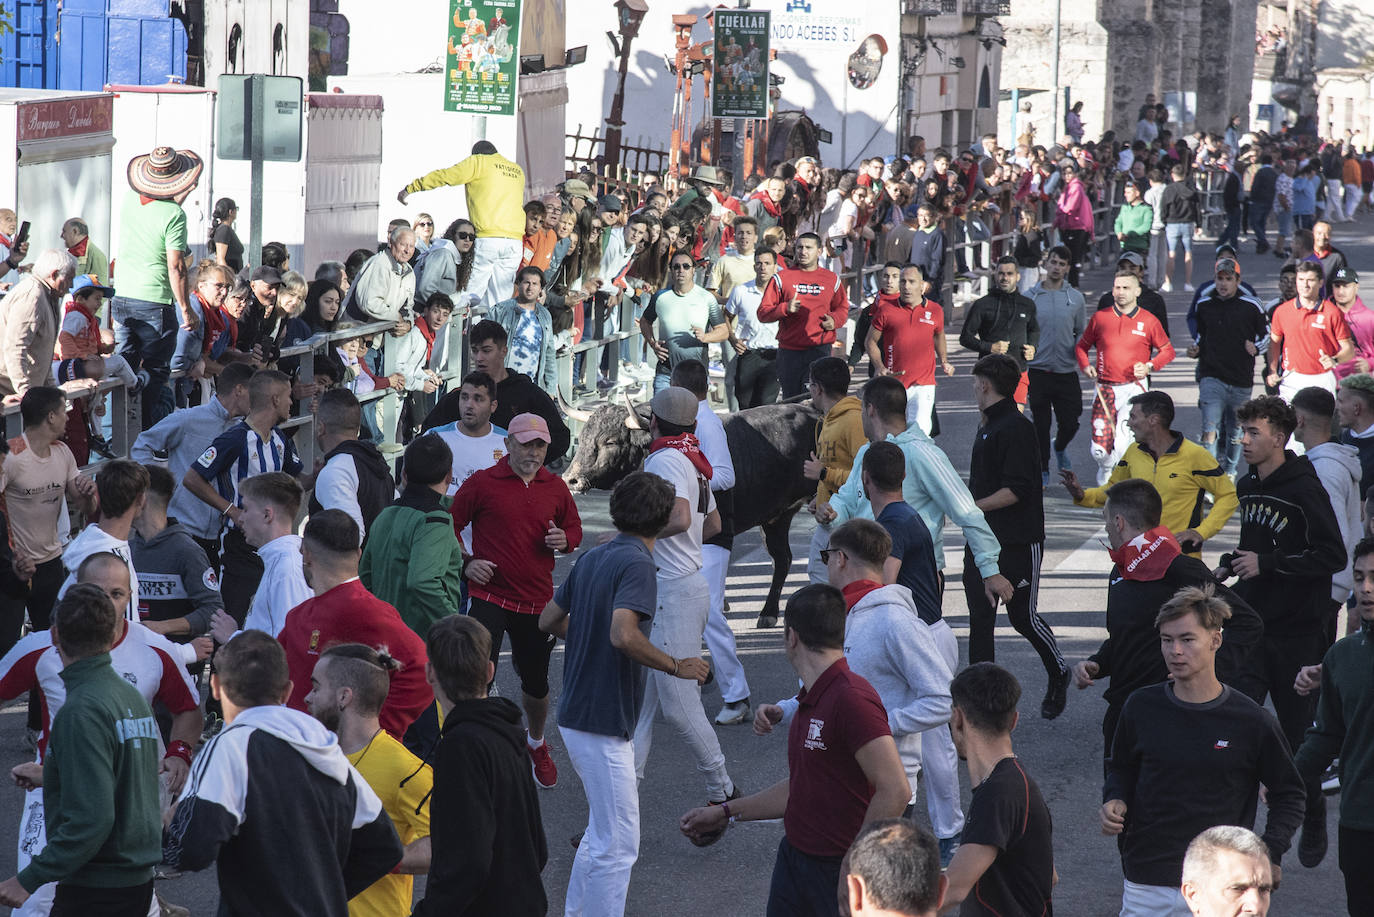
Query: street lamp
pixel 631 14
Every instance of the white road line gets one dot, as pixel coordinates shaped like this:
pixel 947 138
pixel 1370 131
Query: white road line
pixel 1089 557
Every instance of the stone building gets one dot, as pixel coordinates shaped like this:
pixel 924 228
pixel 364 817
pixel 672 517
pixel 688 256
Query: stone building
pixel 1344 69
pixel 1196 57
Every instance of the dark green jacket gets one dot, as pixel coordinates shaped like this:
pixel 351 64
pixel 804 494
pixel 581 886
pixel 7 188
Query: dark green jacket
pixel 107 831
pixel 413 559
pixel 1345 727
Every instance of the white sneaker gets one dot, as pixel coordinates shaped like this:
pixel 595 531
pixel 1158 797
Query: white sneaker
pixel 733 714
pixel 1166 287
pixel 1189 288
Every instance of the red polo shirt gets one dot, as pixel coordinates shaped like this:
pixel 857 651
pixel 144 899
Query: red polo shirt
pixel 348 613
pixel 907 338
pixel 509 521
pixel 828 793
pixel 1308 334
pixel 1123 341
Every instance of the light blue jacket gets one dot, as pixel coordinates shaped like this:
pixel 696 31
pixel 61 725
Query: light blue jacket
pixel 506 313
pixel 935 490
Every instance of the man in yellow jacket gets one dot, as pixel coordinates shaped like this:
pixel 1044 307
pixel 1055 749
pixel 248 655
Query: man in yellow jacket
pixel 496 198
pixel 839 437
pixel 1180 469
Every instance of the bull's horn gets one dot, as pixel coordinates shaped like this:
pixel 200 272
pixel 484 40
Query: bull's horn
pixel 631 417
pixel 576 414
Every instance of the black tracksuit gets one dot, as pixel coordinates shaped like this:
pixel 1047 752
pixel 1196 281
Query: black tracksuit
pixel 1005 454
pixel 1130 656
pixel 1001 316
pixel 1224 327
pixel 485 829
pixel 1287 520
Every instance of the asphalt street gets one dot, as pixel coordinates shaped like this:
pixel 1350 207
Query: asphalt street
pixel 731 877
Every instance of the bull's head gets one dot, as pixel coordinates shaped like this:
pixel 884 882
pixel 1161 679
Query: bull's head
pixel 613 442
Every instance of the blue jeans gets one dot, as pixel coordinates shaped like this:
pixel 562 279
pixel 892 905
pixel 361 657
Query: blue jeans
pixel 146 336
pixel 1259 216
pixel 1285 221
pixel 662 380
pixel 1176 234
pixel 1218 402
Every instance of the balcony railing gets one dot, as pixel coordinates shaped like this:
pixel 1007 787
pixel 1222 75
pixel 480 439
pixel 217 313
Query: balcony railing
pixel 929 7
pixel 987 7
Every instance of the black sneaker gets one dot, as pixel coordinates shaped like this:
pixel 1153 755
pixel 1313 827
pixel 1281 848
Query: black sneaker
pixel 100 447
pixel 1056 696
pixel 706 840
pixel 1312 841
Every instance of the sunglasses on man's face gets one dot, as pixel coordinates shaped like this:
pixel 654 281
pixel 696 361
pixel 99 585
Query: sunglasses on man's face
pixel 826 552
pixel 682 266
pixel 465 236
pixel 424 225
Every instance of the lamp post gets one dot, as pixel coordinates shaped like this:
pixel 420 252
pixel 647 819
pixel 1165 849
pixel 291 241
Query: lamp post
pixel 631 13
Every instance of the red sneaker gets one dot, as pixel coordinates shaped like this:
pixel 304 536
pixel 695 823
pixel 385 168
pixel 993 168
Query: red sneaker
pixel 541 763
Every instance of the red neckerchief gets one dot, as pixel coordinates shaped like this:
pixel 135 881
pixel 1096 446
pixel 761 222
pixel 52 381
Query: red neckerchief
pixel 427 335
pixel 79 249
pixel 214 324
pixel 74 306
pixel 619 280
pixel 6 241
pixel 145 199
pixel 687 444
pixel 1321 256
pixel 801 181
pixel 231 325
pixel 768 203
pixel 857 590
pixel 1146 557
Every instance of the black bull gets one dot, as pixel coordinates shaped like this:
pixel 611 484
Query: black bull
pixel 768 445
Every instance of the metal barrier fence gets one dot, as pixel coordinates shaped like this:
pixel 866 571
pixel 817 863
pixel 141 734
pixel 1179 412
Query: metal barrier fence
pixel 124 415
pixel 621 338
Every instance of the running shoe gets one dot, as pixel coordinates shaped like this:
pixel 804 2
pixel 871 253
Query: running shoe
pixel 545 771
pixel 734 713
pixel 1056 696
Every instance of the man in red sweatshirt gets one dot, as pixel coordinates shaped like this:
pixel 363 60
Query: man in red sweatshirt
pixel 522 515
pixel 808 303
pixel 343 611
pixel 1130 344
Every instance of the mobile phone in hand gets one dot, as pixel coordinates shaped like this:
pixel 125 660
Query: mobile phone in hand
pixel 23 234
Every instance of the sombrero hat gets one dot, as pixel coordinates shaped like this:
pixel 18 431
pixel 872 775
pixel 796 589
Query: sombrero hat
pixel 165 173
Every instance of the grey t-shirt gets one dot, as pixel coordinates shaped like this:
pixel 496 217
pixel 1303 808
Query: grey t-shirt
pixel 676 315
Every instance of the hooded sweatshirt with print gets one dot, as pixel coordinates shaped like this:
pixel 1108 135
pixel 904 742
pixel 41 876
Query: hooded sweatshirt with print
pixel 839 437
pixel 1338 467
pixel 273 767
pixel 1287 520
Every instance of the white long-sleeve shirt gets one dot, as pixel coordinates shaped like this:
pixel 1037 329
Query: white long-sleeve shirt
pixel 282 588
pixel 711 436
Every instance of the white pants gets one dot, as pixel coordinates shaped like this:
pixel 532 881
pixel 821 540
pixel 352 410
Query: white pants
pixel 815 568
pixel 720 639
pixel 601 870
pixel 684 604
pixel 940 760
pixel 33 837
pixel 494 265
pixel 1291 383
pixel 920 400
pixel 1152 901
pixel 1352 200
pixel 1334 213
pixel 1122 437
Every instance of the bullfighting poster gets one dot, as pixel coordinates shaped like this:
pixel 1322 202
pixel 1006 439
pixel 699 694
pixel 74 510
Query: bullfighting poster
pixel 740 85
pixel 483 60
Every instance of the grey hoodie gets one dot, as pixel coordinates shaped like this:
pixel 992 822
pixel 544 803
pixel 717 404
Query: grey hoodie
pixel 887 643
pixel 1338 467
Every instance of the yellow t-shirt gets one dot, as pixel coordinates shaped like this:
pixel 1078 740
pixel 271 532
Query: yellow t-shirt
pixel 384 763
pixel 496 193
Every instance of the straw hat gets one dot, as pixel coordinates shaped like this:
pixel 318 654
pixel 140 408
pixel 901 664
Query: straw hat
pixel 165 173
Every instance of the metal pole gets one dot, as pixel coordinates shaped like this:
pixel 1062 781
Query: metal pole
pixel 256 108
pixel 1055 129
pixel 738 167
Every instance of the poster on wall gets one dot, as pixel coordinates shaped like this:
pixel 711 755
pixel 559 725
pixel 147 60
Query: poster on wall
pixel 483 60
pixel 740 87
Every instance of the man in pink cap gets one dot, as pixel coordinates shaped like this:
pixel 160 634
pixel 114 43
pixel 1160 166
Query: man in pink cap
pixel 521 515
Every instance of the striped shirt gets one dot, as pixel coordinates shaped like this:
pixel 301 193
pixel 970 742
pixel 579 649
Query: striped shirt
pixel 239 453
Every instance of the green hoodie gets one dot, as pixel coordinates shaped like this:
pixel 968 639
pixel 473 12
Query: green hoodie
pixel 1344 727
pixel 1134 221
pixel 107 832
pixel 413 559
